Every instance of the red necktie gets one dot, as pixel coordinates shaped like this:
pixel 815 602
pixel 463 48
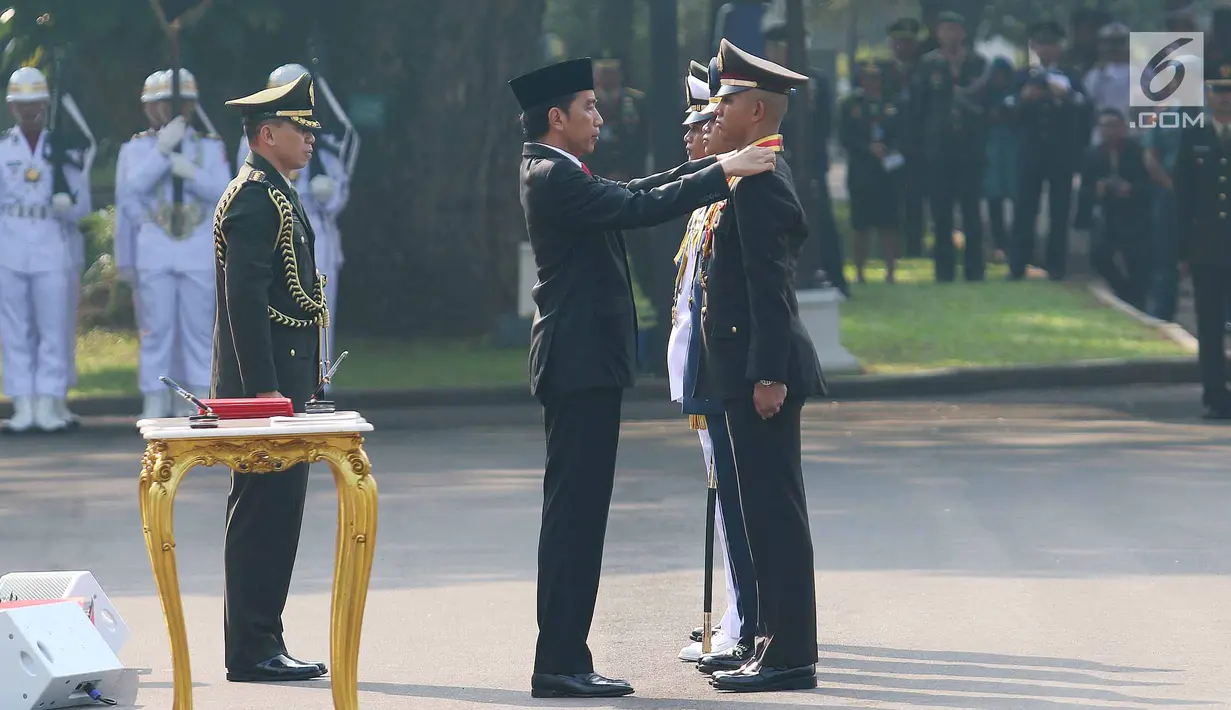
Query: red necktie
pixel 583 167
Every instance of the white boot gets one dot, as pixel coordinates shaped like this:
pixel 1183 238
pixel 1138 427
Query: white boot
pixel 23 415
pixel 157 405
pixel 45 417
pixel 62 411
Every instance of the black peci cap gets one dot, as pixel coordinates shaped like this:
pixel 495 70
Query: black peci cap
pixel 542 85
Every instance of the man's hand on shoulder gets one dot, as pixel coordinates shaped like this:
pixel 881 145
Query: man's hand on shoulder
pixel 749 161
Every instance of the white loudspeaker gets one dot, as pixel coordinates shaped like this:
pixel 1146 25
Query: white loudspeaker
pixel 50 655
pixel 28 586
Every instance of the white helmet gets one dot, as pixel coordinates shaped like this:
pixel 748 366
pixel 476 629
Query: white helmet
pixel 155 88
pixel 188 84
pixel 26 85
pixel 285 74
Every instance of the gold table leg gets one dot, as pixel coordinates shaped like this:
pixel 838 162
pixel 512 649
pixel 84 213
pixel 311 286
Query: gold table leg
pixel 160 479
pixel 163 469
pixel 357 513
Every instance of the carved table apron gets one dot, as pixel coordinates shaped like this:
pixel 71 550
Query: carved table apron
pixel 259 446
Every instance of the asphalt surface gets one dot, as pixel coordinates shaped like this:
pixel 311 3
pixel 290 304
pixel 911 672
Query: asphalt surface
pixel 1063 549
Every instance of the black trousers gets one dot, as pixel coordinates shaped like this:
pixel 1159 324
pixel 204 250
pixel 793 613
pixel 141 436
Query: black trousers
pixel 583 433
pixel 738 552
pixel 955 182
pixel 913 179
pixel 1036 166
pixel 1211 293
pixel 264 516
pixel 771 485
pixel 1123 235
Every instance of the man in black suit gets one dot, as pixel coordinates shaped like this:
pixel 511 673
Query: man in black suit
pixel 758 358
pixel 582 350
pixel 270 306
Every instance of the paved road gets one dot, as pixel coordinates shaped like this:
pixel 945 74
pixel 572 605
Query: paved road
pixel 1044 550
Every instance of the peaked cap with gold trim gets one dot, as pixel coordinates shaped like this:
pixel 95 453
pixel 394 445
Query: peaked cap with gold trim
pixel 294 101
pixel 741 71
pixel 697 93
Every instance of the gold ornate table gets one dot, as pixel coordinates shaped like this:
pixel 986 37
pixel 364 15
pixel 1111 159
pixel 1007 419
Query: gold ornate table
pixel 263 446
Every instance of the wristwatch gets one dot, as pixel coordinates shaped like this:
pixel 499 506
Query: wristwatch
pixel 768 383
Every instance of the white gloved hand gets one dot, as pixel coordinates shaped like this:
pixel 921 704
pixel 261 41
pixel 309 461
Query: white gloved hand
pixel 61 204
pixel 322 188
pixel 171 134
pixel 182 166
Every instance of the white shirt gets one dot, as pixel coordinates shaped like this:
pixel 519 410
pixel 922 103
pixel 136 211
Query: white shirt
pixel 32 238
pixel 565 153
pixel 147 192
pixel 681 329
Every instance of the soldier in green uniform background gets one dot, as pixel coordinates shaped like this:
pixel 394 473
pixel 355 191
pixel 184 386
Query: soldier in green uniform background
pixel 898 75
pixel 270 307
pixel 625 139
pixel 1202 168
pixel 868 127
pixel 948 114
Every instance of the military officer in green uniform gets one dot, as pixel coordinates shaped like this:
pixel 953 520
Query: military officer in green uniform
pixel 948 111
pixel 1202 171
pixel 899 73
pixel 625 139
pixel 868 127
pixel 270 307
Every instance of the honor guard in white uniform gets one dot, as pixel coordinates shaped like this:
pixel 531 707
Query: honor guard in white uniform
pixel 155 99
pixel 323 186
pixel 42 199
pixel 174 270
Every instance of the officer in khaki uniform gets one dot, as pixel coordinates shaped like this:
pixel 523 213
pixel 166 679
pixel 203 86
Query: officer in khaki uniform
pixel 270 308
pixel 1202 181
pixel 949 117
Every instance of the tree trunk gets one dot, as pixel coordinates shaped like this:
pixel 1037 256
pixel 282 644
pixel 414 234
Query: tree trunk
pixel 651 249
pixel 431 235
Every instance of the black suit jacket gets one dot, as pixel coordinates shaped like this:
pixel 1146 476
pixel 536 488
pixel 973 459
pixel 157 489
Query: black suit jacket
pixel 1203 210
pixel 750 318
pixel 269 301
pixel 585 326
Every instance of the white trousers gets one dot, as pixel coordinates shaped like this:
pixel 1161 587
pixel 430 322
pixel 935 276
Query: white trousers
pixel 177 327
pixel 33 336
pixel 73 306
pixel 731 622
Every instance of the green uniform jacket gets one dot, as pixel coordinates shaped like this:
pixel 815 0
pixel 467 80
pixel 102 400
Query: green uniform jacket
pixel 270 301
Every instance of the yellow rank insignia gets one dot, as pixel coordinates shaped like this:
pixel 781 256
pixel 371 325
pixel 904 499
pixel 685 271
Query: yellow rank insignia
pixel 32 174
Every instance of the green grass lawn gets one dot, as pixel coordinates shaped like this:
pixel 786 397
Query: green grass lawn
pixel 918 324
pixel 107 364
pixel 911 326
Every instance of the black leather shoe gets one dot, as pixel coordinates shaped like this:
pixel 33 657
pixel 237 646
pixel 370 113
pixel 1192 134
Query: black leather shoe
pixel 732 659
pixel 698 632
pixel 580 685
pixel 1219 413
pixel 763 679
pixel 322 666
pixel 280 668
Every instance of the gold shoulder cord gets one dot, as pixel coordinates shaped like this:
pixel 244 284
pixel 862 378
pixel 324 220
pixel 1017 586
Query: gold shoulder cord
pixel 286 244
